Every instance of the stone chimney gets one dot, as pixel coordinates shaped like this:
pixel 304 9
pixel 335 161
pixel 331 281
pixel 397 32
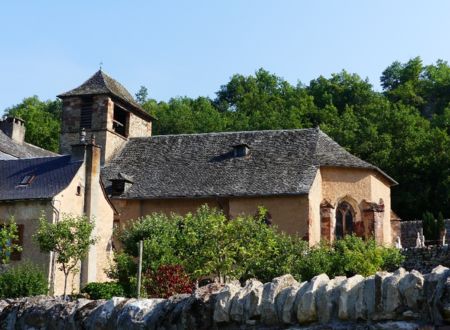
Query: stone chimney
pixel 93 193
pixel 90 153
pixel 14 128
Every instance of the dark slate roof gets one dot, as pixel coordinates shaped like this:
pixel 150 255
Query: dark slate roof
pixel 101 83
pixel 282 162
pixel 16 150
pixel 52 175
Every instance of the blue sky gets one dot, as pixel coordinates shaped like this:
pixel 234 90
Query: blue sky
pixel 179 48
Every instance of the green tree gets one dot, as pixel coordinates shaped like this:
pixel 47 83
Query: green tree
pixel 429 226
pixel 9 235
pixel 142 95
pixel 70 239
pixel 42 120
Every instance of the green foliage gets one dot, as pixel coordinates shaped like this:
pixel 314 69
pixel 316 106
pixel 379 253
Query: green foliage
pixel 70 238
pixel 103 290
pixel 207 244
pixel 42 120
pixel 433 227
pixel 23 280
pixel 142 95
pixel 353 256
pixel 9 235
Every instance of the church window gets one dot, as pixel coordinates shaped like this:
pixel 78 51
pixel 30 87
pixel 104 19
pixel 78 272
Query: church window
pixel 120 121
pixel 344 220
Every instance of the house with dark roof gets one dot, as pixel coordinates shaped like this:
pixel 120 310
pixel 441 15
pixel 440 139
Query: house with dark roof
pixel 12 141
pixel 32 185
pixel 310 185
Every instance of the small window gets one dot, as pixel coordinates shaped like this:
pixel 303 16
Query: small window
pixel 78 190
pixel 120 121
pixel 26 180
pixel 118 187
pixel 241 150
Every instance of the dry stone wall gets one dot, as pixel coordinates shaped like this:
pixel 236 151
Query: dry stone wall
pixel 426 258
pixel 398 300
pixel 408 232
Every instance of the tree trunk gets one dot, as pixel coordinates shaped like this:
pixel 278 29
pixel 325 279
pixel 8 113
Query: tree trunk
pixel 65 285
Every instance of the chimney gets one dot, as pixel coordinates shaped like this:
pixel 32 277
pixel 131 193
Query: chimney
pixel 14 128
pixel 93 192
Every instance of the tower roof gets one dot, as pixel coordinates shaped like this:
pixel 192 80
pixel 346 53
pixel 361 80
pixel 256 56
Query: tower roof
pixel 101 83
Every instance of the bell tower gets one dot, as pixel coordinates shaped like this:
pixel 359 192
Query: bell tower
pixel 103 107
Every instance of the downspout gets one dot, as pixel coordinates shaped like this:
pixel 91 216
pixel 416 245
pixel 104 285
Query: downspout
pixel 52 254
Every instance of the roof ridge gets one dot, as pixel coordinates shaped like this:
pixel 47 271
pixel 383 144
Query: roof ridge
pixel 35 158
pixel 225 133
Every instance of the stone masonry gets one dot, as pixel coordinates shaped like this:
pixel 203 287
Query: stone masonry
pixel 398 300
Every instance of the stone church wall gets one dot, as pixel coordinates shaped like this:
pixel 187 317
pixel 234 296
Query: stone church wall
pixel 399 300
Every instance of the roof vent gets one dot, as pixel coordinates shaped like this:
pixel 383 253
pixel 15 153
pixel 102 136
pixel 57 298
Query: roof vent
pixel 121 184
pixel 241 150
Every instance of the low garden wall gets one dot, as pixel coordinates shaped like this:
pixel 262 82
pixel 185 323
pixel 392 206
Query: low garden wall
pixel 398 300
pixel 426 258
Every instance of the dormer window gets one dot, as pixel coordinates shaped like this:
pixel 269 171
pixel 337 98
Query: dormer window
pixel 26 180
pixel 241 150
pixel 121 184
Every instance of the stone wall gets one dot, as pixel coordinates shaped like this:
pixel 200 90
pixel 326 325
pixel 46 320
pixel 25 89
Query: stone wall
pixel 408 232
pixel 399 300
pixel 427 258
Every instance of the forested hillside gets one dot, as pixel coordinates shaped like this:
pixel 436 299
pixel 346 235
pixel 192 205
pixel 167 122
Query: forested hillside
pixel 404 129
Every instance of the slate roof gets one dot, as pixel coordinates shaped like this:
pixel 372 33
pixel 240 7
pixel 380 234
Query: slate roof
pixel 52 175
pixel 282 162
pixel 101 83
pixel 11 149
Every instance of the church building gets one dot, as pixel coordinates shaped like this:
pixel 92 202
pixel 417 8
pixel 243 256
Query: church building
pixel 310 185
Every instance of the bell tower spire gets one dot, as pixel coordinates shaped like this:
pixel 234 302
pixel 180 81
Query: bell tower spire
pixel 102 106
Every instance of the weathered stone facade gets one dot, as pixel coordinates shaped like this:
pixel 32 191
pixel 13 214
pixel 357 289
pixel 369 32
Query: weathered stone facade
pixel 399 300
pixel 102 124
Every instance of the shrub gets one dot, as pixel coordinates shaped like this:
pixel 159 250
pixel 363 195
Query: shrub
pixel 9 235
pixel 167 281
pixel 430 226
pixel 24 280
pixel 352 255
pixel 124 271
pixel 105 290
pixel 207 244
pixel 316 260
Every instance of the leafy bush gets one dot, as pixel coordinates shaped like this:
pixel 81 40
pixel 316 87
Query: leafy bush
pixel 105 290
pixel 207 244
pixel 352 255
pixel 23 280
pixel 9 235
pixel 167 281
pixel 124 271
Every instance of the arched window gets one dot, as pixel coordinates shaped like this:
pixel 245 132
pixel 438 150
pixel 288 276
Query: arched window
pixel 344 220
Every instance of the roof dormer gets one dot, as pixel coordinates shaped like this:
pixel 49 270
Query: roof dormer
pixel 241 150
